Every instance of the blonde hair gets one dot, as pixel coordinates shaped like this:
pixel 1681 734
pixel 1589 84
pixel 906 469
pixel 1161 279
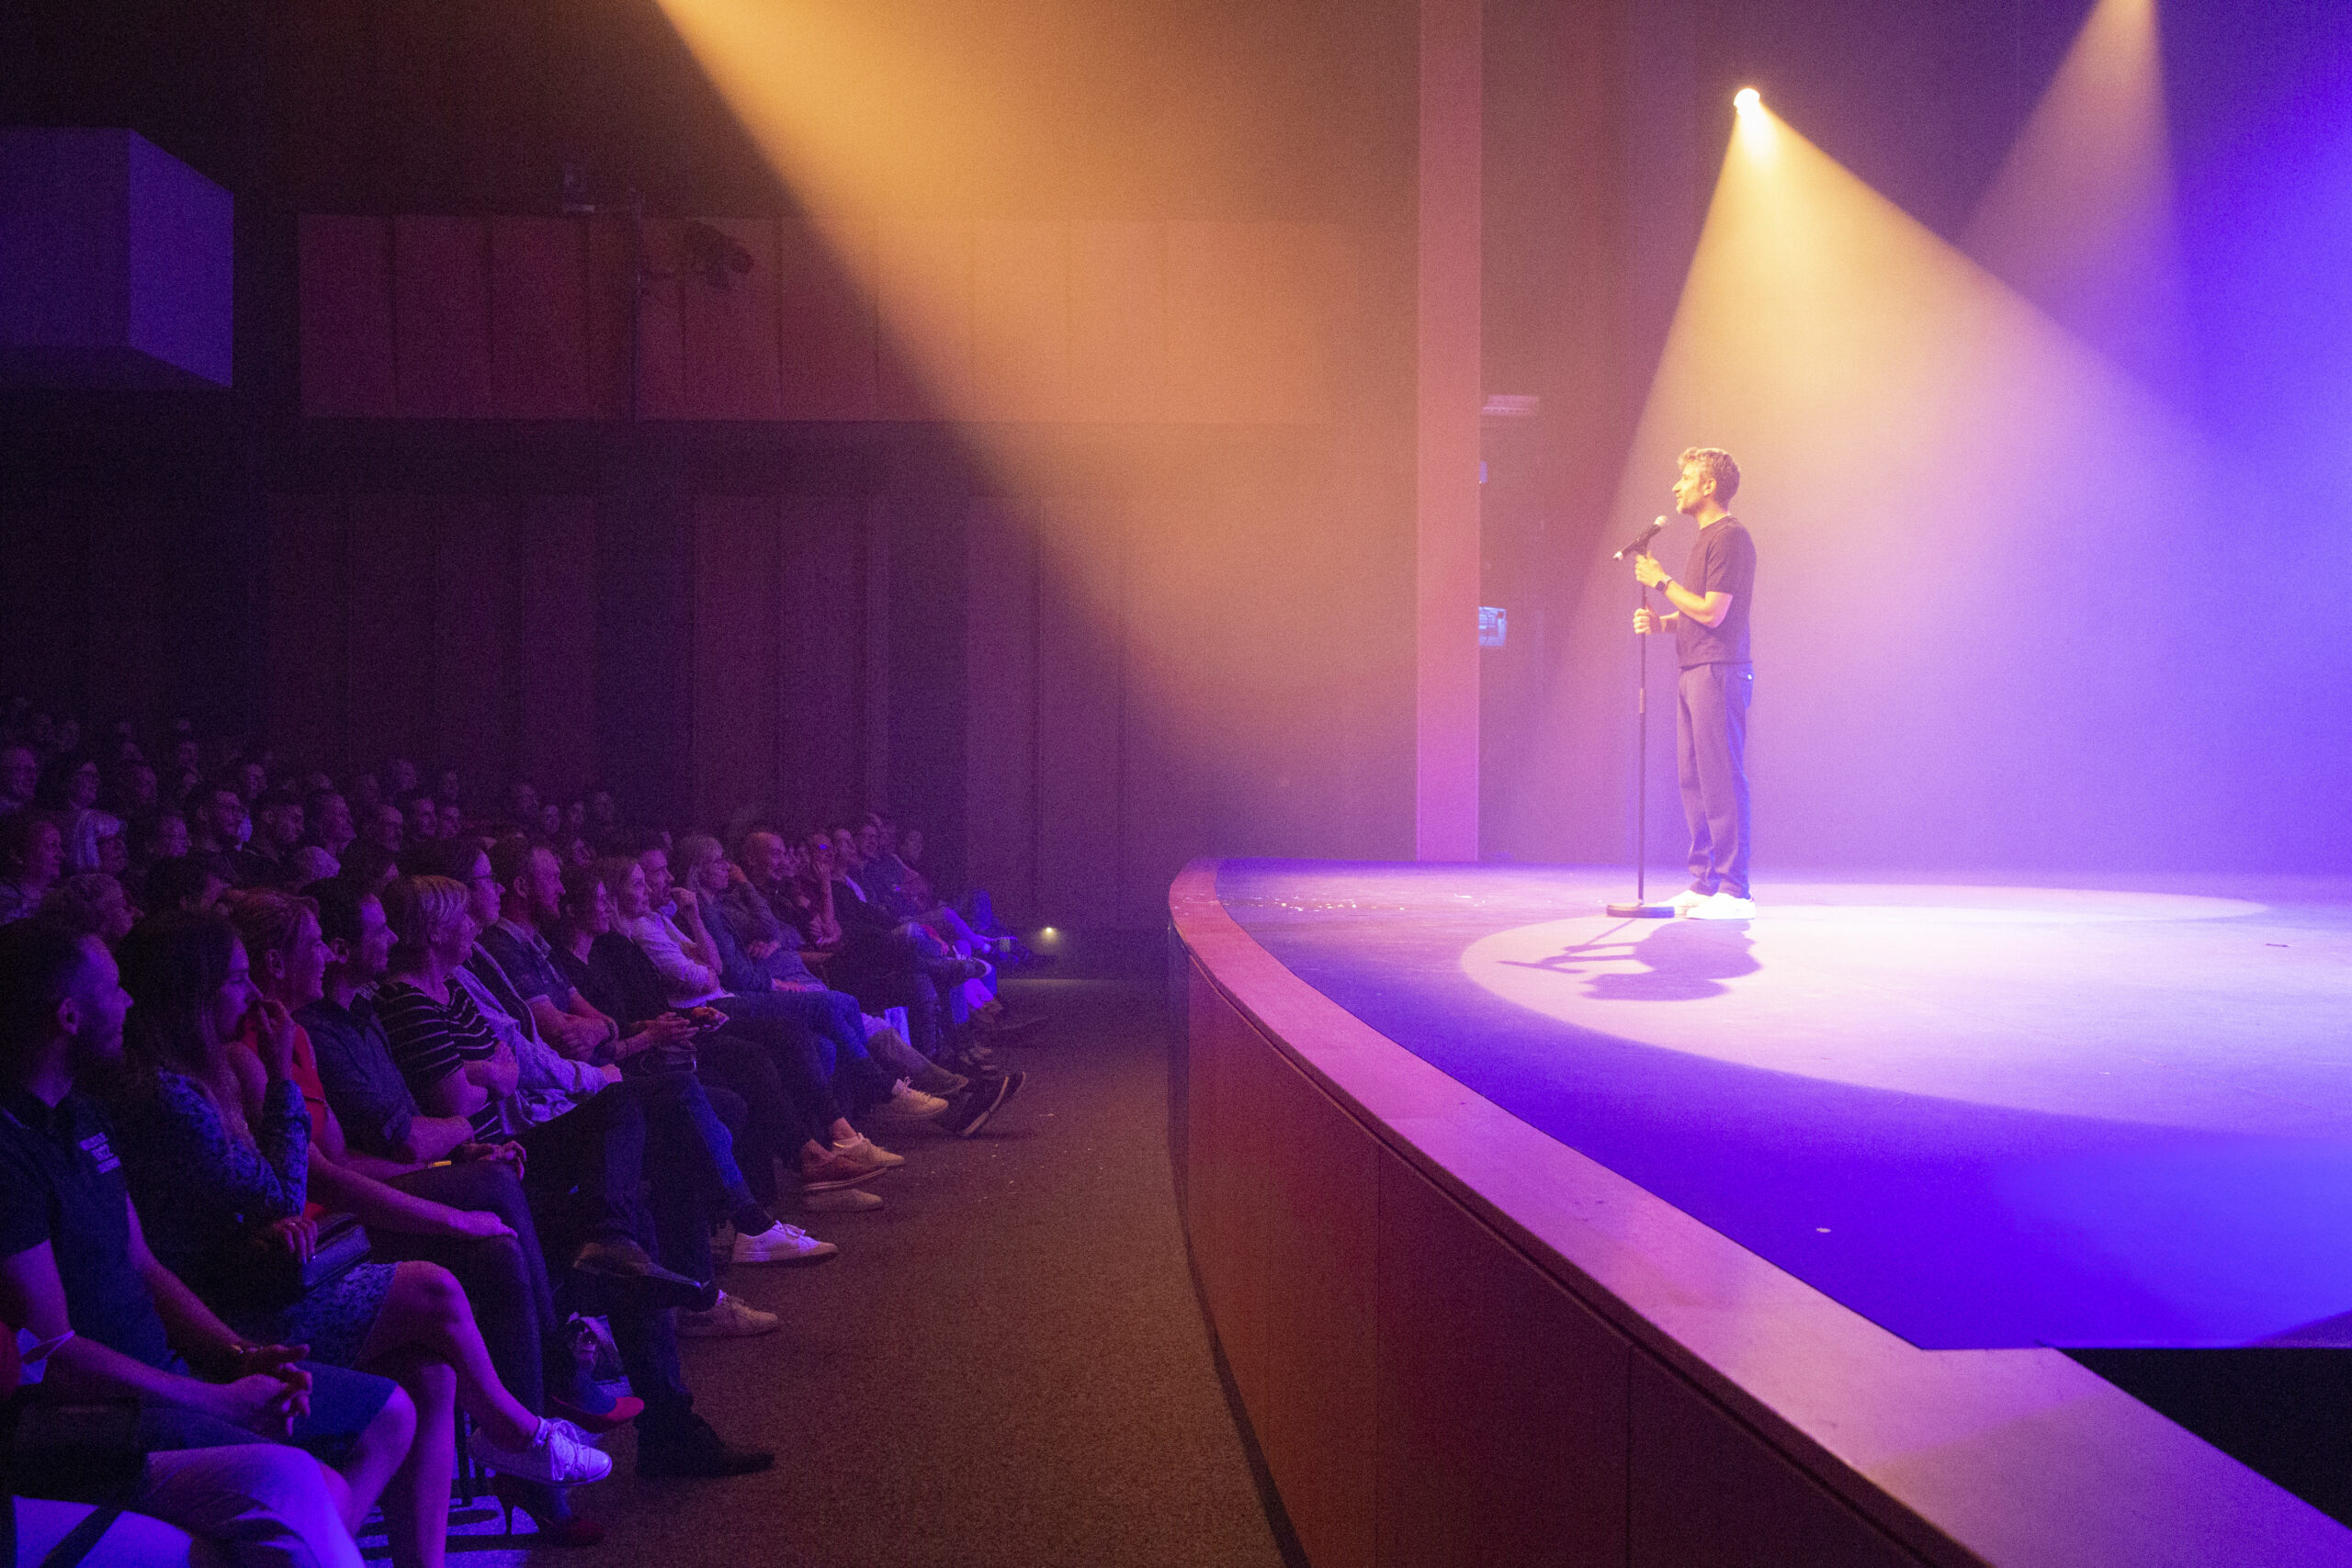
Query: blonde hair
pixel 694 850
pixel 418 907
pixel 1716 464
pixel 268 919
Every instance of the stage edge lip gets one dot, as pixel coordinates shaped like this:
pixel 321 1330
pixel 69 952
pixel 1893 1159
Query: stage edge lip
pixel 2007 1457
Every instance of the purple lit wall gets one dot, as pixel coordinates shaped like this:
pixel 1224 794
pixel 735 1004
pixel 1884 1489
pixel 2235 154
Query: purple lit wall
pixel 2020 610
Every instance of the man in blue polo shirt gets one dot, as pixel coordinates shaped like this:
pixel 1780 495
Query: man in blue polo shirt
pixel 74 1266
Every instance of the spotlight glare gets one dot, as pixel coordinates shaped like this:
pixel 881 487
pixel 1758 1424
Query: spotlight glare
pixel 1747 100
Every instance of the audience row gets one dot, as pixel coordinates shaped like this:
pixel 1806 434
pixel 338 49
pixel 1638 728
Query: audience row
pixel 313 1139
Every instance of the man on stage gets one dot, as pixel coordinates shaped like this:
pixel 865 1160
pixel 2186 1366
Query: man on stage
pixel 1710 623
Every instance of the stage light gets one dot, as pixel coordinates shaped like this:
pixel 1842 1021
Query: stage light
pixel 1747 100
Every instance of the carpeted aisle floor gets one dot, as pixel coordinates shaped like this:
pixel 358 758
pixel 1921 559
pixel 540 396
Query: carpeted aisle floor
pixel 1005 1366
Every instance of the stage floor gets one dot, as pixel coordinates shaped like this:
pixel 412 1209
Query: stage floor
pixel 1979 1115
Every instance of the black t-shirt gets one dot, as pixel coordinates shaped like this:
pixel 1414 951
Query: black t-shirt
pixel 61 1183
pixel 1723 560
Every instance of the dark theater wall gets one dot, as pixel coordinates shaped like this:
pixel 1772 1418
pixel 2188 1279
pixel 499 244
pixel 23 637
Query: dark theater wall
pixel 1120 578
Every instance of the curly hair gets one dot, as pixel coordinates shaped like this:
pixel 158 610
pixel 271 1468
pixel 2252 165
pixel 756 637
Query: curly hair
pixel 1716 464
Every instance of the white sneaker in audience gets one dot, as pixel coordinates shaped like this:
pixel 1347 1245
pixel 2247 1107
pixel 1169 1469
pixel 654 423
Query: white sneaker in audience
pixel 780 1243
pixel 908 1103
pixel 556 1455
pixel 730 1319
pixel 1689 898
pixel 840 1201
pixel 870 1154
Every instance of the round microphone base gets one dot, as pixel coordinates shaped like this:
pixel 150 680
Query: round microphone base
pixel 1640 911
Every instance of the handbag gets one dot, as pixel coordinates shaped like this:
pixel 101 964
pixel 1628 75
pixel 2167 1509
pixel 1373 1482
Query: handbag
pixel 279 1279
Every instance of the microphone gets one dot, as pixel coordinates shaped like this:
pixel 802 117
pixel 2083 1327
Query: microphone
pixel 1640 541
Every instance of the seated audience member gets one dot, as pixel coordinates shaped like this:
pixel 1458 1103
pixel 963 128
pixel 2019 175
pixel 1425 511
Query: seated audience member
pixel 250 775
pixel 468 1214
pixel 434 1158
pixel 920 1089
pixel 690 963
pixel 369 868
pixel 594 1148
pixel 381 826
pixel 449 794
pixel 400 778
pixel 683 1121
pixel 19 777
pixel 220 1193
pixel 327 816
pixel 32 857
pixel 220 827
pixel 162 836
pixel 133 790
pixel 91 903
pixel 613 974
pixel 421 823
pixel 520 805
pixel 531 889
pixel 69 793
pixel 75 1268
pixel 278 833
pixel 822 926
pixel 192 883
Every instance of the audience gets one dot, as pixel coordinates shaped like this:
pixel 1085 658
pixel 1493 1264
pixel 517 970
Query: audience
pixel 408 1092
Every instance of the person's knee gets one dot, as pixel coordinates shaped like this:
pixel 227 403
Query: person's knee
pixel 394 1426
pixel 432 1292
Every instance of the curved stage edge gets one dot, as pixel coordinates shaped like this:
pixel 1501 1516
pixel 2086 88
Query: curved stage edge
pixel 1458 1340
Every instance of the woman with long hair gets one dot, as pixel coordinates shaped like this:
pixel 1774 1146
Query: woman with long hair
pixel 224 1199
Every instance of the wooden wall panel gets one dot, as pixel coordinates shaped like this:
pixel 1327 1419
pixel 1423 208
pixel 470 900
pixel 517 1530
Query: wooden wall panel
pixel 612 281
pixel 737 664
pixel 1323 1247
pixel 827 325
pixel 821 703
pixel 730 333
pixel 1222 355
pixel 471 656
pixel 40 618
pixel 923 294
pixel 539 317
pixel 125 593
pixel 555 650
pixel 1118 322
pixel 1502 1398
pixel 1079 713
pixel 390 661
pixel 1706 1492
pixel 305 635
pixel 345 294
pixel 441 336
pixel 1021 319
pixel 660 341
pixel 1001 707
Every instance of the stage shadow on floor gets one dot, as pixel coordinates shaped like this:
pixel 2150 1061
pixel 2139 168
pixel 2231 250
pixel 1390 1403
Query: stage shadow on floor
pixel 1682 961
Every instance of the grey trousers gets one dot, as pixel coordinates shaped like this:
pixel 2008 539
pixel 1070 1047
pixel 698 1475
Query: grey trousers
pixel 261 1504
pixel 1711 757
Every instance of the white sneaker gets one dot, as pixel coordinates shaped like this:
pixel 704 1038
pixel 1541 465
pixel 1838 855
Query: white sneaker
pixel 732 1319
pixel 1723 907
pixel 556 1455
pixel 841 1201
pixel 1689 898
pixel 780 1243
pixel 870 1154
pixel 908 1103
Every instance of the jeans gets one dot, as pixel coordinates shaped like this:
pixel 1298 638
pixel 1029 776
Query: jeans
pixel 582 1167
pixel 1711 757
pixel 792 1022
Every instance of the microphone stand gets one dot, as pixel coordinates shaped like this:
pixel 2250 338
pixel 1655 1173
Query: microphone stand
pixel 1641 908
